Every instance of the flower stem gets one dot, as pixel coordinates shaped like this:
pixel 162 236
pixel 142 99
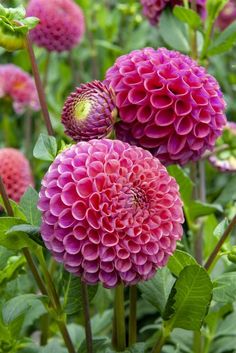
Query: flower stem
pixel 85 304
pixel 197 342
pixel 164 334
pixel 133 315
pixel 119 317
pixel 39 86
pixel 218 246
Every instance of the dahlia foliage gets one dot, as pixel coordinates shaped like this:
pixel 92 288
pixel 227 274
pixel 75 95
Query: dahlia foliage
pixel 89 112
pixel 167 103
pixel 15 172
pixel 61 25
pixel 111 212
pixel 18 86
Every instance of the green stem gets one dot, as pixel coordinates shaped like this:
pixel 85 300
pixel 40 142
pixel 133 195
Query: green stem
pixel 39 86
pixel 197 342
pixel 46 69
pixel 44 325
pixel 119 318
pixel 164 335
pixel 85 304
pixel 218 246
pixel 133 315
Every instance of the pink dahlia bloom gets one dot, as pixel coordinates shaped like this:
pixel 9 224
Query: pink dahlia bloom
pixel 15 172
pixel 18 86
pixel 61 24
pixel 89 112
pixel 152 9
pixel 110 212
pixel 167 104
pixel 225 159
pixel 227 15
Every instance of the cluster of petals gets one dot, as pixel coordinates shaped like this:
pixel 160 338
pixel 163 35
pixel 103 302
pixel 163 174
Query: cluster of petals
pixel 152 9
pixel 110 212
pixel 227 15
pixel 18 86
pixel 167 104
pixel 61 25
pixel 225 159
pixel 89 112
pixel 15 172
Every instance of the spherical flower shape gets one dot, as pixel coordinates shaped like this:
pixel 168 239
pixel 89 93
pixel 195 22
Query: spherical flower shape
pixel 167 104
pixel 61 24
pixel 15 172
pixel 227 15
pixel 89 112
pixel 18 86
pixel 225 159
pixel 152 9
pixel 110 212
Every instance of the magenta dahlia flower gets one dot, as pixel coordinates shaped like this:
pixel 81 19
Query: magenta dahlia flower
pixel 89 112
pixel 61 24
pixel 167 104
pixel 225 159
pixel 152 9
pixel 18 86
pixel 110 212
pixel 227 15
pixel 15 172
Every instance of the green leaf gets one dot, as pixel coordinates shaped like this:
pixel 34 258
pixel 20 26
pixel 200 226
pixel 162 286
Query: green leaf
pixel 188 16
pixel 32 231
pixel 225 288
pixel 10 271
pixel 184 182
pixel 199 209
pixel 179 260
pixel 30 22
pixel 45 148
pixel 72 298
pixel 53 347
pixel 219 230
pixel 13 241
pixel 28 205
pixel 224 42
pixel 189 299
pixel 157 289
pixel 15 207
pixel 213 8
pixel 99 345
pixel 19 305
pixel 169 25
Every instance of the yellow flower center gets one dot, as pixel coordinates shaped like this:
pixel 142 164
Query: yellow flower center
pixel 82 109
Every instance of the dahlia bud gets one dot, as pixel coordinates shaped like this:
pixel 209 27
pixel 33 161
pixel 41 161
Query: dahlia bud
pixel 152 9
pixel 227 15
pixel 61 24
pixel 89 112
pixel 14 27
pixel 111 213
pixel 225 159
pixel 19 86
pixel 167 103
pixel 15 172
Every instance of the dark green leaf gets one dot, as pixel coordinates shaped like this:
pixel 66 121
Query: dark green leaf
pixel 45 148
pixel 188 16
pixel 184 182
pixel 225 288
pixel 28 205
pixel 157 289
pixel 10 271
pixel 32 231
pixel 189 299
pixel 99 345
pixel 179 260
pixel 199 209
pixel 224 42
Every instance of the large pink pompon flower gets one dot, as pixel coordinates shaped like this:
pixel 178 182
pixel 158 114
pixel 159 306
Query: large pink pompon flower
pixel 110 212
pixel 89 112
pixel 167 103
pixel 61 25
pixel 18 86
pixel 15 172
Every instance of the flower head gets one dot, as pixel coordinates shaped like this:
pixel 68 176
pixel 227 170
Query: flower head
pixel 15 172
pixel 61 24
pixel 227 15
pixel 167 104
pixel 225 159
pixel 110 212
pixel 152 9
pixel 89 112
pixel 18 86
